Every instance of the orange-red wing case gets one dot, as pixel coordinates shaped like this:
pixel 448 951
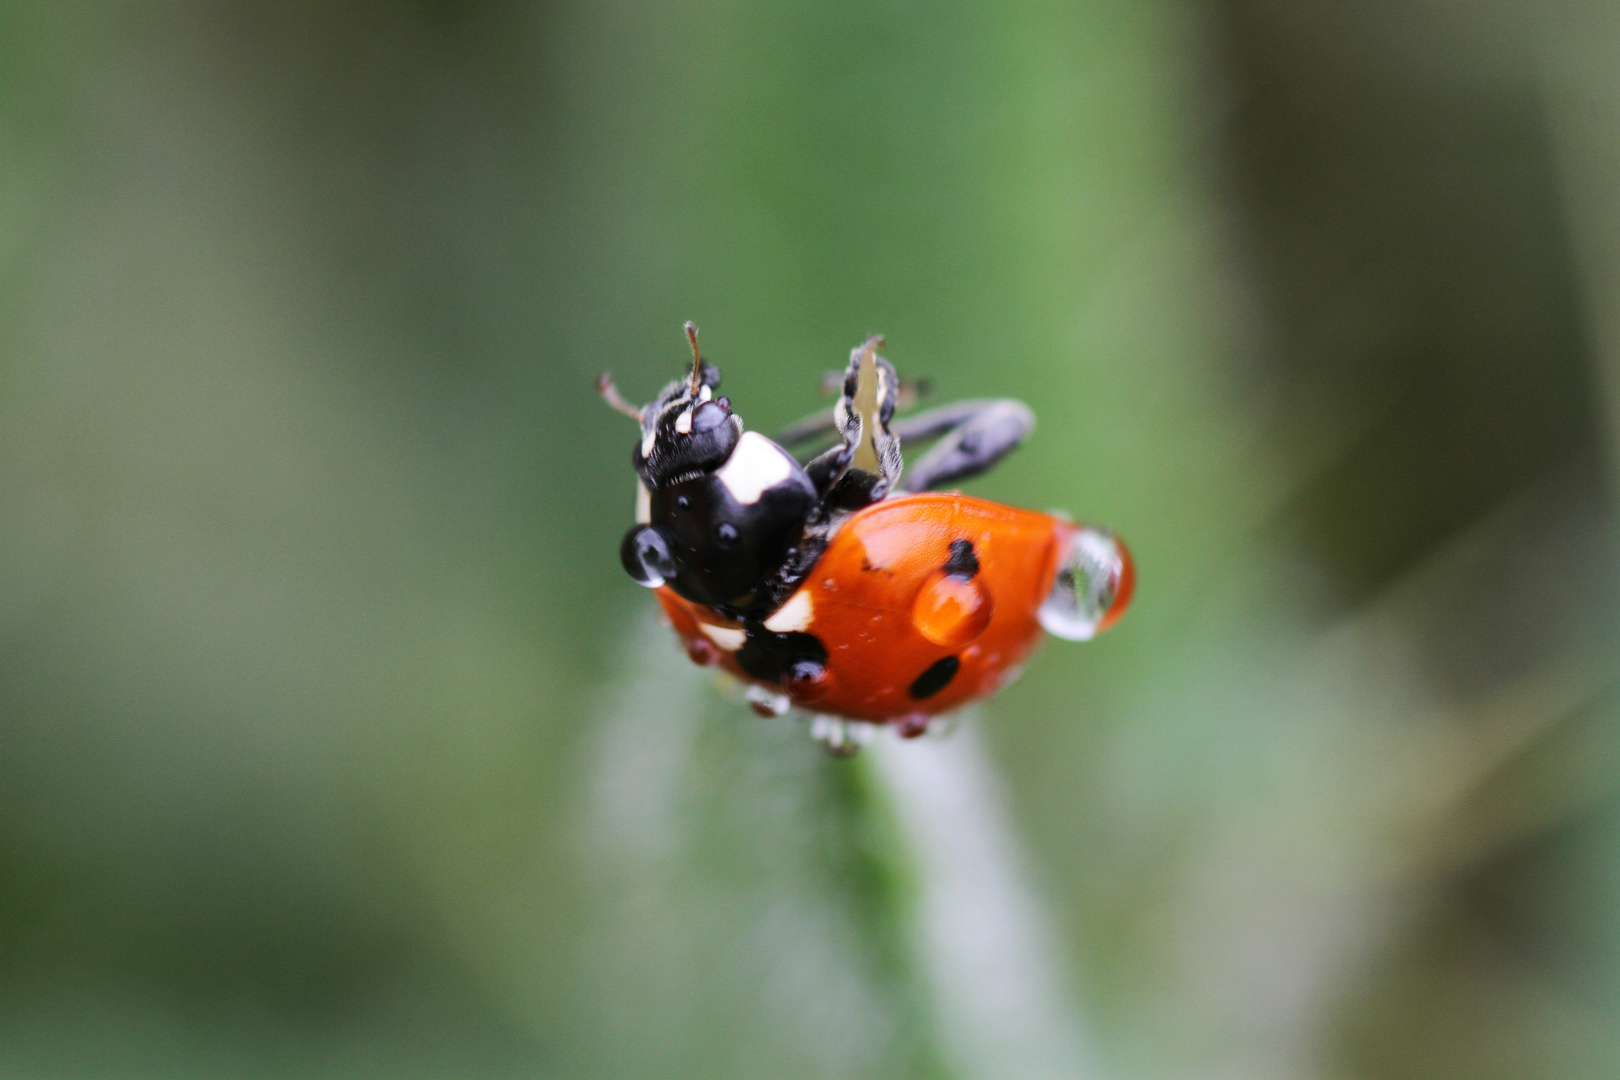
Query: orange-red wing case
pixel 913 622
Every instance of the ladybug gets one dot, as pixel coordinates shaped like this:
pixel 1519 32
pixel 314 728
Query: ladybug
pixel 847 584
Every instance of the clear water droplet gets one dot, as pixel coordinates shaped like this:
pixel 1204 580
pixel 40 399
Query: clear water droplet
pixel 951 610
pixel 1093 586
pixel 646 556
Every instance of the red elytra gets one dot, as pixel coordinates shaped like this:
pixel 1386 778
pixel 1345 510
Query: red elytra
pixel 906 640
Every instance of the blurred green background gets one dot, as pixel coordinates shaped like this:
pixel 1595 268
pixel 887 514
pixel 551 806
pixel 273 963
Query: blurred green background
pixel 334 742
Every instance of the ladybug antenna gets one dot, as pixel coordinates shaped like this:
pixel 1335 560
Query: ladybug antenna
pixel 610 394
pixel 697 361
pixel 867 403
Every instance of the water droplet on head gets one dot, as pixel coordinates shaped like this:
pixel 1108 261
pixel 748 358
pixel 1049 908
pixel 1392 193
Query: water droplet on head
pixel 646 556
pixel 1092 589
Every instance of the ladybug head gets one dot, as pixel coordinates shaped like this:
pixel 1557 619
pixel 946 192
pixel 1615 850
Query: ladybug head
pixel 719 509
pixel 685 431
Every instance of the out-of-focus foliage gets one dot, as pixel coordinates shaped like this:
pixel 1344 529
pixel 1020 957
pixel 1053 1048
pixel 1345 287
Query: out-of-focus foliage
pixel 334 742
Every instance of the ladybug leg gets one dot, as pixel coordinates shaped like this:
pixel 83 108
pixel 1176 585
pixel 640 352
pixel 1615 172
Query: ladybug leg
pixel 829 466
pixel 839 737
pixel 973 436
pixel 767 703
pixel 914 726
pixel 826 469
pixel 823 425
pixel 862 415
pixel 937 421
pixel 818 425
pixel 865 464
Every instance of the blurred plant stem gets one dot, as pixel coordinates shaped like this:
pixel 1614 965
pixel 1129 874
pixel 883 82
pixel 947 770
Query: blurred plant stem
pixel 899 870
pixel 980 932
pixel 1576 45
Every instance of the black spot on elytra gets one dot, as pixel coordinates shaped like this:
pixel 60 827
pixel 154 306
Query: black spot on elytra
pixel 773 658
pixel 936 678
pixel 962 563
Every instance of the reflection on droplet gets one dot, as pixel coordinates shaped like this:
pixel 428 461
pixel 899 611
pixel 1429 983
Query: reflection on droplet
pixel 951 610
pixel 1092 588
pixel 806 682
pixel 646 556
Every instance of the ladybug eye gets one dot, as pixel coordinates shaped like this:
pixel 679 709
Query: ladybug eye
pixel 646 556
pixel 1092 588
pixel 708 416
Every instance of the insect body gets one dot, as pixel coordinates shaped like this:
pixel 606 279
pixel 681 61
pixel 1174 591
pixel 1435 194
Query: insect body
pixel 845 585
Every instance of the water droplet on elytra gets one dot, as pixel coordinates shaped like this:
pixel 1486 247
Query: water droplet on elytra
pixel 1092 588
pixel 951 610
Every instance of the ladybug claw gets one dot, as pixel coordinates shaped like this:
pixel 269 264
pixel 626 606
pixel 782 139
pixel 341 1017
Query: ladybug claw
pixel 913 727
pixel 767 703
pixel 840 738
pixel 918 726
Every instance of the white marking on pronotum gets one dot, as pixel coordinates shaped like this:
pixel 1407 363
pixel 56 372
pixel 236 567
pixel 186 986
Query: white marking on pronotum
pixel 755 465
pixel 704 393
pixel 683 422
pixel 647 440
pixel 793 615
pixel 643 503
pixel 723 636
